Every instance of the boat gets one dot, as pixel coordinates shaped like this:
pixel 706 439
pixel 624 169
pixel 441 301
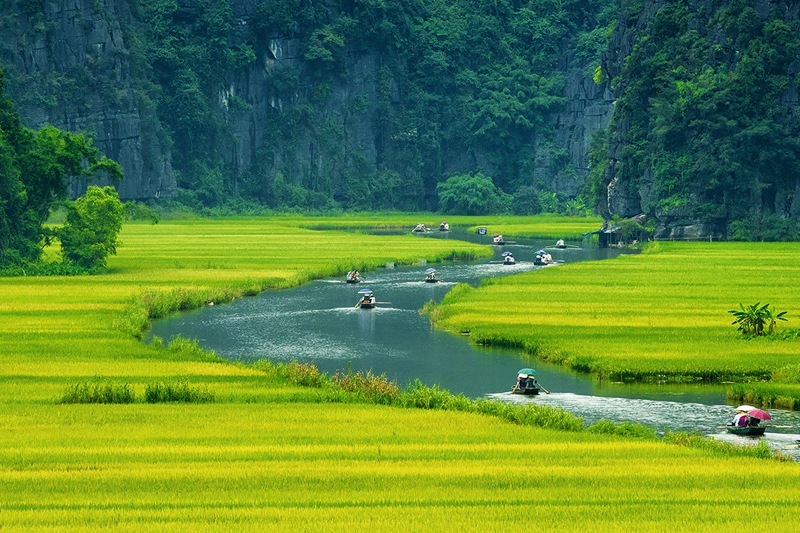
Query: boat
pixel 367 300
pixel 353 277
pixel 561 244
pixel 746 430
pixel 508 259
pixel 748 420
pixel 498 239
pixel 430 276
pixel 542 258
pixel 444 226
pixel 526 382
pixel 420 228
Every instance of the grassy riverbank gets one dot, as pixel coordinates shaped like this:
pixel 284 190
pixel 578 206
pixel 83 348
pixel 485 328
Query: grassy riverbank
pixel 269 455
pixel 662 315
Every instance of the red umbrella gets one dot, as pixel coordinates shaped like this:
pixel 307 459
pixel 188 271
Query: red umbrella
pixel 760 414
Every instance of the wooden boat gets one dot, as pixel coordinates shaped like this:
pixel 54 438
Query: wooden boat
pixel 526 383
pixel 509 261
pixel 431 280
pixel 367 300
pixel 530 390
pixel 746 430
pixel 353 280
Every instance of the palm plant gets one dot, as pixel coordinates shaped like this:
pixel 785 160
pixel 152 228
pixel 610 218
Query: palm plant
pixel 772 318
pixel 753 318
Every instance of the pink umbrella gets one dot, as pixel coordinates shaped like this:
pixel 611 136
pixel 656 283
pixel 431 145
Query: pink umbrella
pixel 760 414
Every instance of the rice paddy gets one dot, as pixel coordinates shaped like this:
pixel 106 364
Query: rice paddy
pixel 268 455
pixel 659 316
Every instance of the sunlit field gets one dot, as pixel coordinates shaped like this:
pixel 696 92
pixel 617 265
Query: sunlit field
pixel 656 316
pixel 269 455
pixel 538 226
pixel 301 467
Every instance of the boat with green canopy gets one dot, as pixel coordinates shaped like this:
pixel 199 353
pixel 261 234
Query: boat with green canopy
pixel 526 382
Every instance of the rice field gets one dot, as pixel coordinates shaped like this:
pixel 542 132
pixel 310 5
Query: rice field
pixel 659 316
pixel 268 455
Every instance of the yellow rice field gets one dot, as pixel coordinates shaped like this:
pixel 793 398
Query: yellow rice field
pixel 268 457
pixel 660 315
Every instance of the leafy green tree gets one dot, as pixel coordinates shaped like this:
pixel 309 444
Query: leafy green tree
pixel 471 194
pixel 90 231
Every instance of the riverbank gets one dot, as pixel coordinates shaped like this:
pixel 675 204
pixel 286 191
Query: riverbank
pixel 271 455
pixel 659 316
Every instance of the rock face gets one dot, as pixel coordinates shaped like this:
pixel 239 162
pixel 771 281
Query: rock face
pixel 72 68
pixel 637 193
pixel 69 68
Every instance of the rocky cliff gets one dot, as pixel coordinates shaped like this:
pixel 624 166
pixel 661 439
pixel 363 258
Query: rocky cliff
pixel 72 65
pixel 706 122
pixel 67 65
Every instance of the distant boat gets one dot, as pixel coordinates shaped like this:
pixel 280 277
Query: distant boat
pixel 561 244
pixel 430 276
pixel 444 226
pixel 353 277
pixel 498 239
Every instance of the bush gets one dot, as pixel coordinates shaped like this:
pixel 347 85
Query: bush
pixel 179 391
pixel 90 232
pixel 95 392
pixel 376 389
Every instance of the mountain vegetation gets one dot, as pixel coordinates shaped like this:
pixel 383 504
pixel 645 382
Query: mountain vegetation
pixel 373 104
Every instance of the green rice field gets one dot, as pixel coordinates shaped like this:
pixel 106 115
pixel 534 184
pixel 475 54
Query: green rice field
pixel 268 455
pixel 659 316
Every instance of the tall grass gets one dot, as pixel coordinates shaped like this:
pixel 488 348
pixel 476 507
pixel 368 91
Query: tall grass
pixel 98 392
pixel 177 391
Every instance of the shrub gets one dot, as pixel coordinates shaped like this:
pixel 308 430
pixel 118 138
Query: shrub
pixel 96 392
pixel 377 389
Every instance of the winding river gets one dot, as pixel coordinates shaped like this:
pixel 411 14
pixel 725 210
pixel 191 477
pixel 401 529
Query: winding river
pixel 318 323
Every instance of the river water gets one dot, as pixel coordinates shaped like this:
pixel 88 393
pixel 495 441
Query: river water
pixel 318 323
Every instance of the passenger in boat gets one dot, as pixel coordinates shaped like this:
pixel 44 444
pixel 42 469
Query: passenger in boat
pixel 560 243
pixel 740 420
pixel 548 258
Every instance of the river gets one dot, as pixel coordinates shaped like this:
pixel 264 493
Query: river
pixel 318 323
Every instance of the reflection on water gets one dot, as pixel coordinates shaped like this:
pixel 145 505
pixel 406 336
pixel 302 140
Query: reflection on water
pixel 319 323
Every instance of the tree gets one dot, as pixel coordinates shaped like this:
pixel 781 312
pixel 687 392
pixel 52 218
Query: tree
pixel 526 201
pixel 90 232
pixel 468 194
